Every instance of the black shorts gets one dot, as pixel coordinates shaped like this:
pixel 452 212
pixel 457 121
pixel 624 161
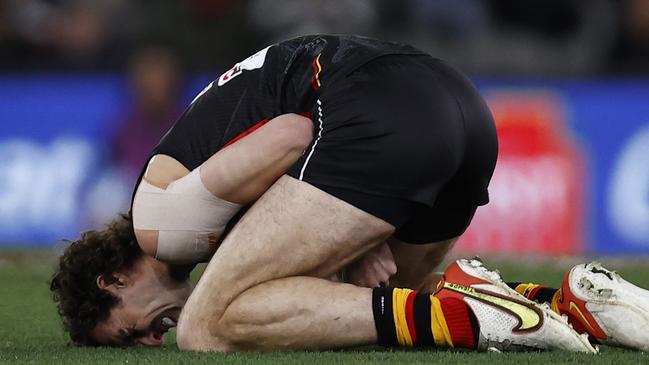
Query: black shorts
pixel 407 139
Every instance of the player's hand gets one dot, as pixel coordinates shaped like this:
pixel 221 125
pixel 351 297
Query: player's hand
pixel 374 269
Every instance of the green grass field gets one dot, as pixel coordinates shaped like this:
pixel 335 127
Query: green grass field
pixel 30 332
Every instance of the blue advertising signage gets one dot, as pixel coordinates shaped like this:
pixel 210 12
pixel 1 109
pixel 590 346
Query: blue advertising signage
pixel 612 121
pixel 50 148
pixel 55 175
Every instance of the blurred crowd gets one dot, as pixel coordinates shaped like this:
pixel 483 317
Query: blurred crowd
pixel 483 37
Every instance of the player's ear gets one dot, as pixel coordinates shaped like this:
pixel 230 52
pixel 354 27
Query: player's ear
pixel 113 282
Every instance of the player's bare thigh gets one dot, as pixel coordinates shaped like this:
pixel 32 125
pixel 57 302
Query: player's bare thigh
pixel 294 229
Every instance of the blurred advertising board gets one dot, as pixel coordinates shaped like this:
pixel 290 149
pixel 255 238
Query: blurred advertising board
pixel 51 145
pixel 56 177
pixel 573 169
pixel 537 190
pixel 572 176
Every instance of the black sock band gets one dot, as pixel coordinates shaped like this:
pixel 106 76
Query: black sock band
pixel 383 317
pixel 421 309
pixel 544 295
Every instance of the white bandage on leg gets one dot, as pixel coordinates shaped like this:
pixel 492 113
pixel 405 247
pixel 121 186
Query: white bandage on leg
pixel 188 217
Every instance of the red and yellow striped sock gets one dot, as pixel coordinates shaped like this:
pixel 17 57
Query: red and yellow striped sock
pixel 536 292
pixel 528 290
pixel 407 318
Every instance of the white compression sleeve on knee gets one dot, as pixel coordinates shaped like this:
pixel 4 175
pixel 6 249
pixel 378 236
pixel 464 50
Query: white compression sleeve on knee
pixel 188 217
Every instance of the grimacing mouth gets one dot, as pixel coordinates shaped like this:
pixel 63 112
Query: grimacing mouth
pixel 159 326
pixel 164 321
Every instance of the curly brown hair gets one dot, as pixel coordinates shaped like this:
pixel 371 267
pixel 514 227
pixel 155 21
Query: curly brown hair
pixel 81 303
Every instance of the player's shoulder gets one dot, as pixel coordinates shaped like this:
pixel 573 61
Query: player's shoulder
pixel 317 42
pixel 342 52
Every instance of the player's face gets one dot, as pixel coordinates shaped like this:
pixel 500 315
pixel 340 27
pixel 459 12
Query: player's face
pixel 150 304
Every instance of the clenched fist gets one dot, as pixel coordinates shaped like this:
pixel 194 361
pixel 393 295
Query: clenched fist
pixel 373 269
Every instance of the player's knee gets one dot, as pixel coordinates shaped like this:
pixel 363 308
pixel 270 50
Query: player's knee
pixel 199 330
pixel 227 332
pixel 296 132
pixel 184 339
pixel 233 334
pixel 197 337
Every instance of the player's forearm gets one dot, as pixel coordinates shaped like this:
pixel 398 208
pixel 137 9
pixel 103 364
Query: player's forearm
pixel 234 176
pixel 242 172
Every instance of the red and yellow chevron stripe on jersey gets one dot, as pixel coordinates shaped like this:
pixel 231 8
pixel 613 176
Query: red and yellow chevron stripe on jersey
pixel 317 68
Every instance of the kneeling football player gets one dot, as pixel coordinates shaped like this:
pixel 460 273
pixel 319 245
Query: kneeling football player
pixel 339 144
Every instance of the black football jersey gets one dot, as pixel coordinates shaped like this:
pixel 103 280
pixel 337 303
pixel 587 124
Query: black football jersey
pixel 398 134
pixel 283 78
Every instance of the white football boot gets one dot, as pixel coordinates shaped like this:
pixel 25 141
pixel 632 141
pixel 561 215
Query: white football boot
pixel 600 303
pixel 507 321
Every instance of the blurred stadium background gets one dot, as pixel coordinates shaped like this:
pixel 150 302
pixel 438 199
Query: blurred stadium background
pixel 88 87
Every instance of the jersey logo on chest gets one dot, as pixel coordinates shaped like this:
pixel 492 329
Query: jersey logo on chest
pixel 253 62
